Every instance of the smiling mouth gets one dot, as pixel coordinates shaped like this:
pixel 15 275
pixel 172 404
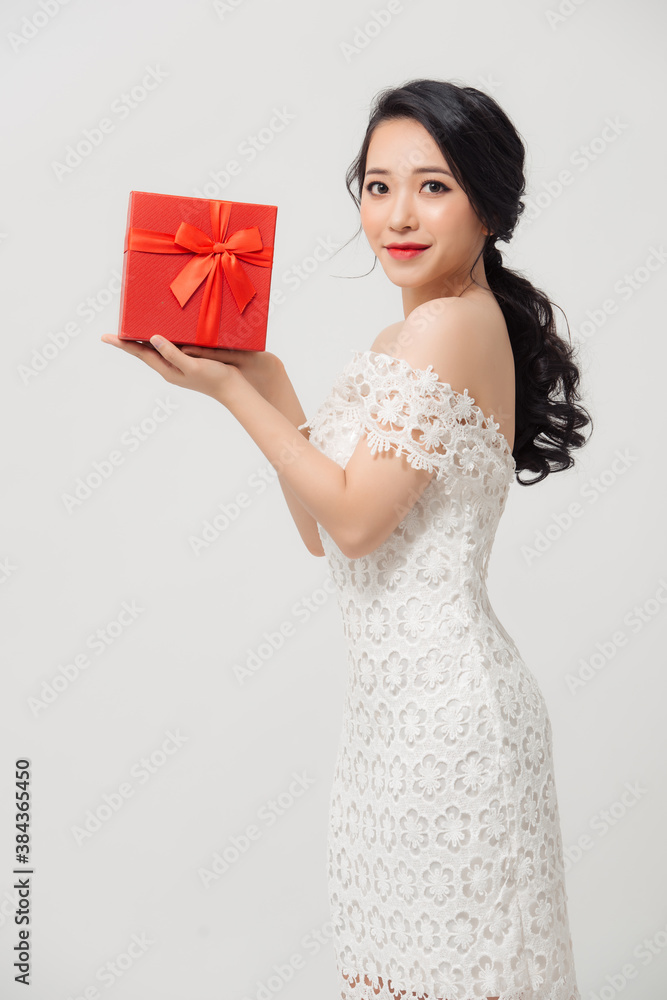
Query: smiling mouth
pixel 404 251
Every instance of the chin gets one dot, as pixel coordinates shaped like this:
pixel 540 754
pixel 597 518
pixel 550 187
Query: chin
pixel 401 281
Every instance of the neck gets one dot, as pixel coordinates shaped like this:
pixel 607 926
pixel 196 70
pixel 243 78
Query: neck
pixel 460 285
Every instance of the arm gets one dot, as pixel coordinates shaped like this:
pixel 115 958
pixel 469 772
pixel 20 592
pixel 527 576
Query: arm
pixel 285 400
pixel 266 372
pixel 361 505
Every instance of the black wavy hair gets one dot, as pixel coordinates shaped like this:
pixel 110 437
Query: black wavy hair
pixel 486 155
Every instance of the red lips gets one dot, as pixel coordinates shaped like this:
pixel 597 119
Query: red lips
pixel 407 246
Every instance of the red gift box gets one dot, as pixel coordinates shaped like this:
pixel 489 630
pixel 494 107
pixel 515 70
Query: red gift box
pixel 197 271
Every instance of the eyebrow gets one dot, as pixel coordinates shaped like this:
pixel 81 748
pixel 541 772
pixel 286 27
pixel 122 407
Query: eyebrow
pixel 417 170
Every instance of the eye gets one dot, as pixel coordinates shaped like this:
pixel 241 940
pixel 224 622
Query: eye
pixel 369 187
pixel 443 186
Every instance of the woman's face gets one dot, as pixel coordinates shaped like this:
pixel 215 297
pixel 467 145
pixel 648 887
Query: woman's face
pixel 410 196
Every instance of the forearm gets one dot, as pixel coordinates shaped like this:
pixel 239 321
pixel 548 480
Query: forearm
pixel 285 399
pixel 306 524
pixel 317 482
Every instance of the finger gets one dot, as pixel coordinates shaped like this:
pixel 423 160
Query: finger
pixel 140 350
pixel 171 354
pixel 145 352
pixel 213 353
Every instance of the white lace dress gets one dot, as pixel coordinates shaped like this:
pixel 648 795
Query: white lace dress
pixel 445 860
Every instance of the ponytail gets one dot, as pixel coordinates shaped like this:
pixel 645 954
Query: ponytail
pixel 548 416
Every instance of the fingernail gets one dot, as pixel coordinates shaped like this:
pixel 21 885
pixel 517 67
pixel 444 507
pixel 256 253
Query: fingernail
pixel 156 341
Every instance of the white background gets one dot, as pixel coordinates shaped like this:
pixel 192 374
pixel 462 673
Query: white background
pixel 66 573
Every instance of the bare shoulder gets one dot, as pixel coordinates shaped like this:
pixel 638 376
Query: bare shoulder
pixel 447 331
pixel 387 338
pixel 467 343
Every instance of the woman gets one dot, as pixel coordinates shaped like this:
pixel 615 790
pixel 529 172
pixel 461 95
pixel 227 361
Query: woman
pixel 446 875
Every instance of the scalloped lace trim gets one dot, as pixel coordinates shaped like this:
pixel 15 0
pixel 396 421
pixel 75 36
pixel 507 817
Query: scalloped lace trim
pixel 373 988
pixel 408 409
pixel 420 402
pixel 461 404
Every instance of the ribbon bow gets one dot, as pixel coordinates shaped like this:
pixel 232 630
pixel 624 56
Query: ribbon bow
pixel 212 257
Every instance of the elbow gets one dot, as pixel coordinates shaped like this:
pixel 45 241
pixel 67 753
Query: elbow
pixel 357 539
pixel 365 539
pixel 356 545
pixel 356 551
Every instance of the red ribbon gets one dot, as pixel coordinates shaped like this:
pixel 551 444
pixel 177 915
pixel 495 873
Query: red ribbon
pixel 212 257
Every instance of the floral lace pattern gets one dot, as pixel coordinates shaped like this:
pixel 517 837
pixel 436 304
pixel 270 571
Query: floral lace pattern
pixel 445 861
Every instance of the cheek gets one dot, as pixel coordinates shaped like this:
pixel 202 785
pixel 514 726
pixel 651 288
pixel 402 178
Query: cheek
pixel 368 219
pixel 365 210
pixel 451 221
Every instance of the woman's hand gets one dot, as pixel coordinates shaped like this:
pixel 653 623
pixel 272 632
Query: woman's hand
pixel 212 377
pixel 264 371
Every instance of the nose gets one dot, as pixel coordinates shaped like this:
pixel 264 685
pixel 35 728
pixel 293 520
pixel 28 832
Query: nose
pixel 402 211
